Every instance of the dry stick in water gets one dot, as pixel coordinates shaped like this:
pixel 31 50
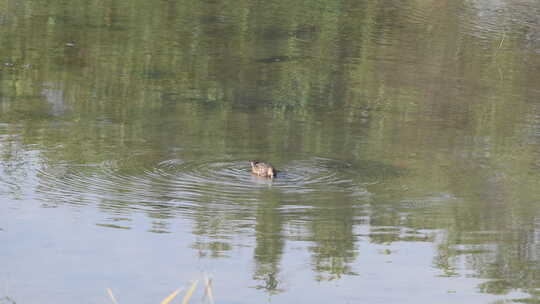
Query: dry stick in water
pixel 171 296
pixel 502 40
pixel 109 291
pixel 208 290
pixel 189 293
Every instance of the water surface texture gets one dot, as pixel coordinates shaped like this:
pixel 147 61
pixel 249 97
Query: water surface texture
pixel 406 135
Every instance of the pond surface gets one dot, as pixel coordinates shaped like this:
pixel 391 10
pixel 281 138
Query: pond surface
pixel 406 135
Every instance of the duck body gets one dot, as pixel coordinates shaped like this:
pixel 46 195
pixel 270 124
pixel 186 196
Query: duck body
pixel 262 169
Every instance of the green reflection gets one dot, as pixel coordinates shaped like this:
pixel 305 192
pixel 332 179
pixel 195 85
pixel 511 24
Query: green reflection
pixel 431 117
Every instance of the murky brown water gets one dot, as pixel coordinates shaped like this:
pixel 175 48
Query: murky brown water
pixel 406 135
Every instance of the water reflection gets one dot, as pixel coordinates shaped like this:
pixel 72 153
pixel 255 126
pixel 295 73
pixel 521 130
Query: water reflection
pixel 397 126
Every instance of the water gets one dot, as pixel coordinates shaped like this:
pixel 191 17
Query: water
pixel 406 135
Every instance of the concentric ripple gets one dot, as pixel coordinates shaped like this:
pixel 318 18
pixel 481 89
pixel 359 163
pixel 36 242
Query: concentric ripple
pixel 317 173
pixel 176 183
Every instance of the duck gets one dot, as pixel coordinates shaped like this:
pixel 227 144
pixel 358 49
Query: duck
pixel 262 169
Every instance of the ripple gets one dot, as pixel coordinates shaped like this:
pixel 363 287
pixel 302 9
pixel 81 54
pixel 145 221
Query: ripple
pixel 500 20
pixel 175 183
pixel 309 175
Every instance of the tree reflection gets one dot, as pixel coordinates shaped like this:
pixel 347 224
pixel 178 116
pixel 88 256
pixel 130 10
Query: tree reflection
pixel 269 246
pixel 438 119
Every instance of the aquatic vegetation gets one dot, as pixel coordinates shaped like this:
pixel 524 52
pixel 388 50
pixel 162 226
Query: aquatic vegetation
pixel 208 295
